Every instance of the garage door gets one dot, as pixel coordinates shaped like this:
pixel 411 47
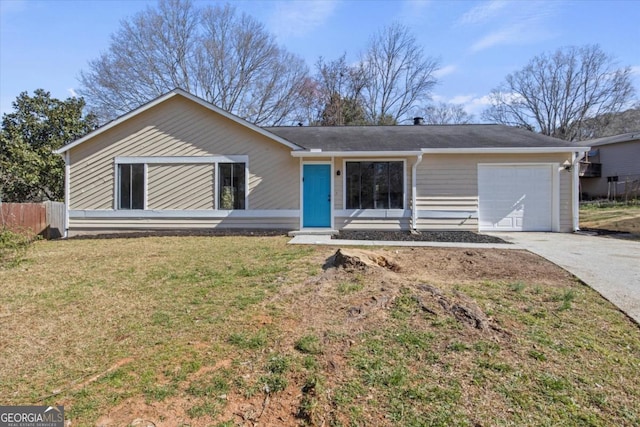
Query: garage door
pixel 515 197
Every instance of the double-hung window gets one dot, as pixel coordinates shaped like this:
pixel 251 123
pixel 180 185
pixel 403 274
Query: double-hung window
pixel 131 186
pixel 231 190
pixel 374 185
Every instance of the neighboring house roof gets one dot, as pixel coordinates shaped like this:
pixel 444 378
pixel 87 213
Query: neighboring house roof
pixel 615 139
pixel 165 97
pixel 422 138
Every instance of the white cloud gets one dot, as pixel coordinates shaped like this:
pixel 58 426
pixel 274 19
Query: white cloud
pixel 461 99
pixel 445 71
pixel 72 92
pixel 635 69
pixel 508 35
pixel 510 23
pixel 483 12
pixel 298 18
pixel 413 11
pixel 472 103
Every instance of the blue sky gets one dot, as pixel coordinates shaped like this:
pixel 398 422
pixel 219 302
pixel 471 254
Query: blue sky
pixel 45 43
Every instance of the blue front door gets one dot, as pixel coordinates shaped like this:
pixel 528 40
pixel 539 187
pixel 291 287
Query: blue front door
pixel 316 189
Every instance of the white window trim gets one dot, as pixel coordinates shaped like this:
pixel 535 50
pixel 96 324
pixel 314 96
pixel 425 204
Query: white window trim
pixel 116 190
pixel 179 160
pixel 382 159
pixel 246 184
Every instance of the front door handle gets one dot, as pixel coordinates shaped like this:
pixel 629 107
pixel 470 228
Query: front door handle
pixel 329 198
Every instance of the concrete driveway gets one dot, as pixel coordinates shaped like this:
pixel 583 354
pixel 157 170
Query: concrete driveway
pixel 610 266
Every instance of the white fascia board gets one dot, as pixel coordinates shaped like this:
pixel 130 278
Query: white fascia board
pixel 162 99
pixel 240 158
pixel 504 150
pixel 355 153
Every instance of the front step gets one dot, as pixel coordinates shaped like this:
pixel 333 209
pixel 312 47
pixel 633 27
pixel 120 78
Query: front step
pixel 313 232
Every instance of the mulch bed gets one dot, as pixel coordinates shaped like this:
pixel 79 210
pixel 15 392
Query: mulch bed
pixel 424 236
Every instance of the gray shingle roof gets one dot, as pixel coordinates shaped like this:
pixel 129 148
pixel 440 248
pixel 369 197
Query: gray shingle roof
pixel 412 138
pixel 624 137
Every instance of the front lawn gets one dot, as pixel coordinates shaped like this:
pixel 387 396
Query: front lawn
pixel 224 331
pixel 619 217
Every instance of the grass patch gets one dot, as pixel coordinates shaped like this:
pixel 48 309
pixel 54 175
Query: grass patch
pixel 308 344
pixel 209 327
pixel 249 342
pixel 611 216
pixel 13 247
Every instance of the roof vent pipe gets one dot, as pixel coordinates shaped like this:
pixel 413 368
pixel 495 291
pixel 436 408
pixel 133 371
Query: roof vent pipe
pixel 417 121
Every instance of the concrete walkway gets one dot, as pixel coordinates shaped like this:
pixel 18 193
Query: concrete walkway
pixel 609 265
pixel 323 239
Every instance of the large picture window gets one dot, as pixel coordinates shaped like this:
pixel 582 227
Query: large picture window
pixel 131 186
pixel 231 178
pixel 374 185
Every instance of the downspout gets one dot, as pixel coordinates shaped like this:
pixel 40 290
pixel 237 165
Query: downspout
pixel 414 197
pixel 575 208
pixel 67 187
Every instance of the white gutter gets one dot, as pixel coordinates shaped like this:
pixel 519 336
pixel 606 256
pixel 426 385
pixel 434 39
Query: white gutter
pixel 414 186
pixel 575 168
pixel 67 187
pixel 506 150
pixel 486 150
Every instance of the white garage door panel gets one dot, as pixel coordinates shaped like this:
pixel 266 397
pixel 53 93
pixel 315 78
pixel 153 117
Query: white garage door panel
pixel 515 197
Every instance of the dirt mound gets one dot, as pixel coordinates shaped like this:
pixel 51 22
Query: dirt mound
pixel 361 259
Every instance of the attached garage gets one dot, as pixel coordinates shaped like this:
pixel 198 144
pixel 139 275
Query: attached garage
pixel 518 197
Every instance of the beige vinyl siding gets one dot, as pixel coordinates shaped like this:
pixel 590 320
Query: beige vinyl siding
pixel 566 209
pixel 621 160
pixel 449 182
pixel 179 127
pixel 179 186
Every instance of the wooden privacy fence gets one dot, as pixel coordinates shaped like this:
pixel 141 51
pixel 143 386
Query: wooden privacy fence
pixel 45 219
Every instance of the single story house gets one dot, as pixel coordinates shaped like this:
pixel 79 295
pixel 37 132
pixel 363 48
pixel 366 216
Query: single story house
pixel 611 168
pixel 179 162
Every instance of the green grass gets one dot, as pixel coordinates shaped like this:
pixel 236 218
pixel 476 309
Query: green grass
pixel 13 247
pixel 206 326
pixel 308 344
pixel 612 216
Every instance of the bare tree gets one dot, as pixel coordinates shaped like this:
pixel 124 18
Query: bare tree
pixel 226 58
pixel 398 76
pixel 555 93
pixel 311 103
pixel 340 89
pixel 446 114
